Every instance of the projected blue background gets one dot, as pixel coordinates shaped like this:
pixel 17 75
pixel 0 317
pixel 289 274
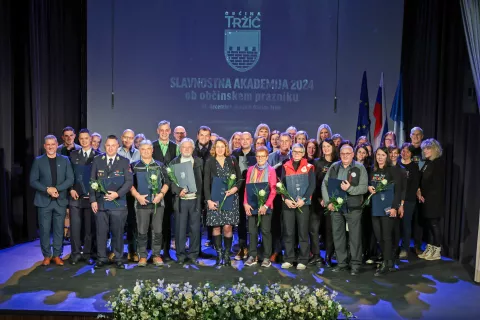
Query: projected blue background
pixel 170 62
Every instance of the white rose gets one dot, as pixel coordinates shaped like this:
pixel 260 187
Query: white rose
pixel 262 193
pixel 384 182
pixel 233 177
pixel 95 186
pixel 279 185
pixel 169 170
pixel 153 177
pixel 339 200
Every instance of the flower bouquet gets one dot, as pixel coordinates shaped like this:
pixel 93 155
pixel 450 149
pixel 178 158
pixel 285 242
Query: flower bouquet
pixel 97 186
pixel 283 191
pixel 231 181
pixel 382 186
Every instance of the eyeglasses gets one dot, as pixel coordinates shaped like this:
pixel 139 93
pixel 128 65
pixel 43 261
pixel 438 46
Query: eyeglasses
pixel 297 152
pixel 345 153
pixel 261 157
pixel 179 132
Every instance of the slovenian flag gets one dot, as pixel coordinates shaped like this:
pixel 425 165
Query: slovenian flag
pixel 396 114
pixel 380 114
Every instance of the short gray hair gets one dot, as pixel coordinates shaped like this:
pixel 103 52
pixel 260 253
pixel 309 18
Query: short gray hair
pixel 291 128
pixel 299 145
pixel 186 140
pixel 146 142
pixel 50 137
pixel 96 134
pixel 416 129
pixel 163 122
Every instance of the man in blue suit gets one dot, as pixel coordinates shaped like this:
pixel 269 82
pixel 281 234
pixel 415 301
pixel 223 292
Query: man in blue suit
pixel 51 176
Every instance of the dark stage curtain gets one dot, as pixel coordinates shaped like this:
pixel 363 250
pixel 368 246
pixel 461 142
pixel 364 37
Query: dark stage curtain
pixel 435 65
pixel 42 89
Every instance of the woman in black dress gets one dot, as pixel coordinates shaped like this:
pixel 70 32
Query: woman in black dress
pixel 222 164
pixel 431 196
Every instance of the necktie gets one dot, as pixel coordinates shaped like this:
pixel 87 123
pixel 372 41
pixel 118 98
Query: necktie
pixel 85 155
pixel 110 163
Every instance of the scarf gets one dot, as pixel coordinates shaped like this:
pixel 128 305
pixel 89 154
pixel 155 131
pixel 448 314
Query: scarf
pixel 259 174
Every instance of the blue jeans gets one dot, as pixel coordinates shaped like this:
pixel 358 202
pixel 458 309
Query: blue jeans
pixel 51 215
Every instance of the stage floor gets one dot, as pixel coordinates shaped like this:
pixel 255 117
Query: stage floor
pixel 428 290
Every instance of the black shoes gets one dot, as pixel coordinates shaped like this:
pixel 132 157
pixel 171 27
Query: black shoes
pixel 315 260
pixel 99 265
pixel 119 265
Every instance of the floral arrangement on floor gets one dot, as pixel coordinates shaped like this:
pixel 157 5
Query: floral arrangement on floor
pixel 149 300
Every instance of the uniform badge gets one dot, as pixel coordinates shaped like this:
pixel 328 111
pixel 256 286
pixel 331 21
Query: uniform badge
pixel 353 174
pixel 304 169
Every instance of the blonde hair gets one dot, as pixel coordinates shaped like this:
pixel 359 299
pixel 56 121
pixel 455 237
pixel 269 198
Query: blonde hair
pixel 227 148
pixel 230 143
pixel 323 126
pixel 434 145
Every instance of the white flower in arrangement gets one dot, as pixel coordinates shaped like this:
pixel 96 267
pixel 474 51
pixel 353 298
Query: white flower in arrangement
pixel 384 182
pixel 95 187
pixel 251 301
pixel 210 294
pixel 216 300
pixel 339 200
pixel 229 293
pixel 191 312
pixel 278 299
pixel 154 177
pixel 233 176
pixel 169 289
pixel 144 315
pixel 296 308
pixel 137 289
pixel 262 193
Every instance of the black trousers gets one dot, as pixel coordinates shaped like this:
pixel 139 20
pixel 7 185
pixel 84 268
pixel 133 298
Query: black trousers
pixel 290 216
pixel 265 226
pixel 418 226
pixel 435 234
pixel 147 217
pixel 188 218
pixel 81 215
pixel 132 231
pixel 408 208
pixel 383 228
pixel 396 235
pixel 354 220
pixel 113 221
pixel 242 224
pixel 167 224
pixel 369 242
pixel 314 227
pixel 276 225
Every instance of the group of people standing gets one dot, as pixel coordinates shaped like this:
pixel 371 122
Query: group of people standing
pixel 136 185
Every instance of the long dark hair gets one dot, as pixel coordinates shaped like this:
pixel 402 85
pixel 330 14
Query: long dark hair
pixel 388 162
pixel 334 149
pixel 367 162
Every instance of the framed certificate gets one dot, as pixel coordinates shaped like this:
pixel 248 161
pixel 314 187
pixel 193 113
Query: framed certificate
pixel 382 200
pixel 114 184
pixel 219 187
pixel 297 185
pixel 185 176
pixel 252 190
pixel 82 179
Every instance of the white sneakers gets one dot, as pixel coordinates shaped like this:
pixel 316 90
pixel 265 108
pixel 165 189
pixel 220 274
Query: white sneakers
pixel 287 265
pixel 431 253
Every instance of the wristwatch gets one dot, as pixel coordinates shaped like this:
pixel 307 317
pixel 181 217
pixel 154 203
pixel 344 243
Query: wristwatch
pixel 266 207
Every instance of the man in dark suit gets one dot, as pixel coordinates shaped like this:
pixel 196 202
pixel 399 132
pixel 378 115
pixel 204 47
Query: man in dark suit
pixel 203 145
pixel 164 151
pixel 188 206
pixel 108 216
pixel 51 176
pixel 80 210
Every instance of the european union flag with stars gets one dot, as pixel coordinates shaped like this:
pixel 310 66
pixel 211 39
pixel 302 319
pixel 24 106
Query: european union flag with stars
pixel 363 123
